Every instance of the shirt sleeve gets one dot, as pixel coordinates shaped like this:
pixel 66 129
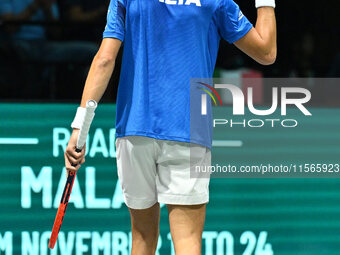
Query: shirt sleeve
pixel 6 7
pixel 115 27
pixel 233 25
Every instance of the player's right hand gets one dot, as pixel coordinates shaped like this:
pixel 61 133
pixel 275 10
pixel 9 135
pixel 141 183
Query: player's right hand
pixel 73 159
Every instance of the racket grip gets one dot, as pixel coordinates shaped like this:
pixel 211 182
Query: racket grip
pixel 77 150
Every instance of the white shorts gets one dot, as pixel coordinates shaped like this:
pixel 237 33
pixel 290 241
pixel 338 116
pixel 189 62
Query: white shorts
pixel 152 171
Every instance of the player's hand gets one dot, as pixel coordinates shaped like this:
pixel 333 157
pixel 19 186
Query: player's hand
pixel 73 159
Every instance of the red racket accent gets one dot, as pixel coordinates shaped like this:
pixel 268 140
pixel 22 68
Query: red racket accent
pixel 62 209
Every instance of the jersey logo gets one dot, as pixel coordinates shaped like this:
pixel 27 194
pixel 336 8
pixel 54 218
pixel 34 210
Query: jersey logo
pixel 240 15
pixel 182 2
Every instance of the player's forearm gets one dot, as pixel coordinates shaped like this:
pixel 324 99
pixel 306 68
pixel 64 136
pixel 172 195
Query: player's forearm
pixel 98 78
pixel 266 28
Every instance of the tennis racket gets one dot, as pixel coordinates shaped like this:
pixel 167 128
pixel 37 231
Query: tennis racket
pixel 91 105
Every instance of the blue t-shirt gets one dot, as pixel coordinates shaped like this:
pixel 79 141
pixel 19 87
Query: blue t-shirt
pixel 166 44
pixel 26 32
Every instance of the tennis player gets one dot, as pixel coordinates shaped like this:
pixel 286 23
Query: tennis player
pixel 166 43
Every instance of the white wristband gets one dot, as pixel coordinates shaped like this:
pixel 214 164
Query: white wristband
pixel 263 3
pixel 79 118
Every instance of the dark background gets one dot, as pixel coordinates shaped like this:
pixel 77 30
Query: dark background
pixel 308 46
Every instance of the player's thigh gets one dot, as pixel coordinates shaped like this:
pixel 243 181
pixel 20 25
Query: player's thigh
pixel 177 182
pixel 186 224
pixel 137 171
pixel 145 223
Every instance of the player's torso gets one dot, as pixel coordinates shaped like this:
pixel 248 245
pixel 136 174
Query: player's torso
pixel 166 43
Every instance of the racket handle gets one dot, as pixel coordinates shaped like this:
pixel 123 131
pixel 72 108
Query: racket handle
pixel 77 150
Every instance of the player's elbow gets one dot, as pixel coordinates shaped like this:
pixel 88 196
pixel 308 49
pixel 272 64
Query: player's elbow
pixel 268 57
pixel 104 60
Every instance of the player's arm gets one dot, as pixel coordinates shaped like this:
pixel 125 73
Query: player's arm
pixel 260 42
pixel 101 70
pixel 95 86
